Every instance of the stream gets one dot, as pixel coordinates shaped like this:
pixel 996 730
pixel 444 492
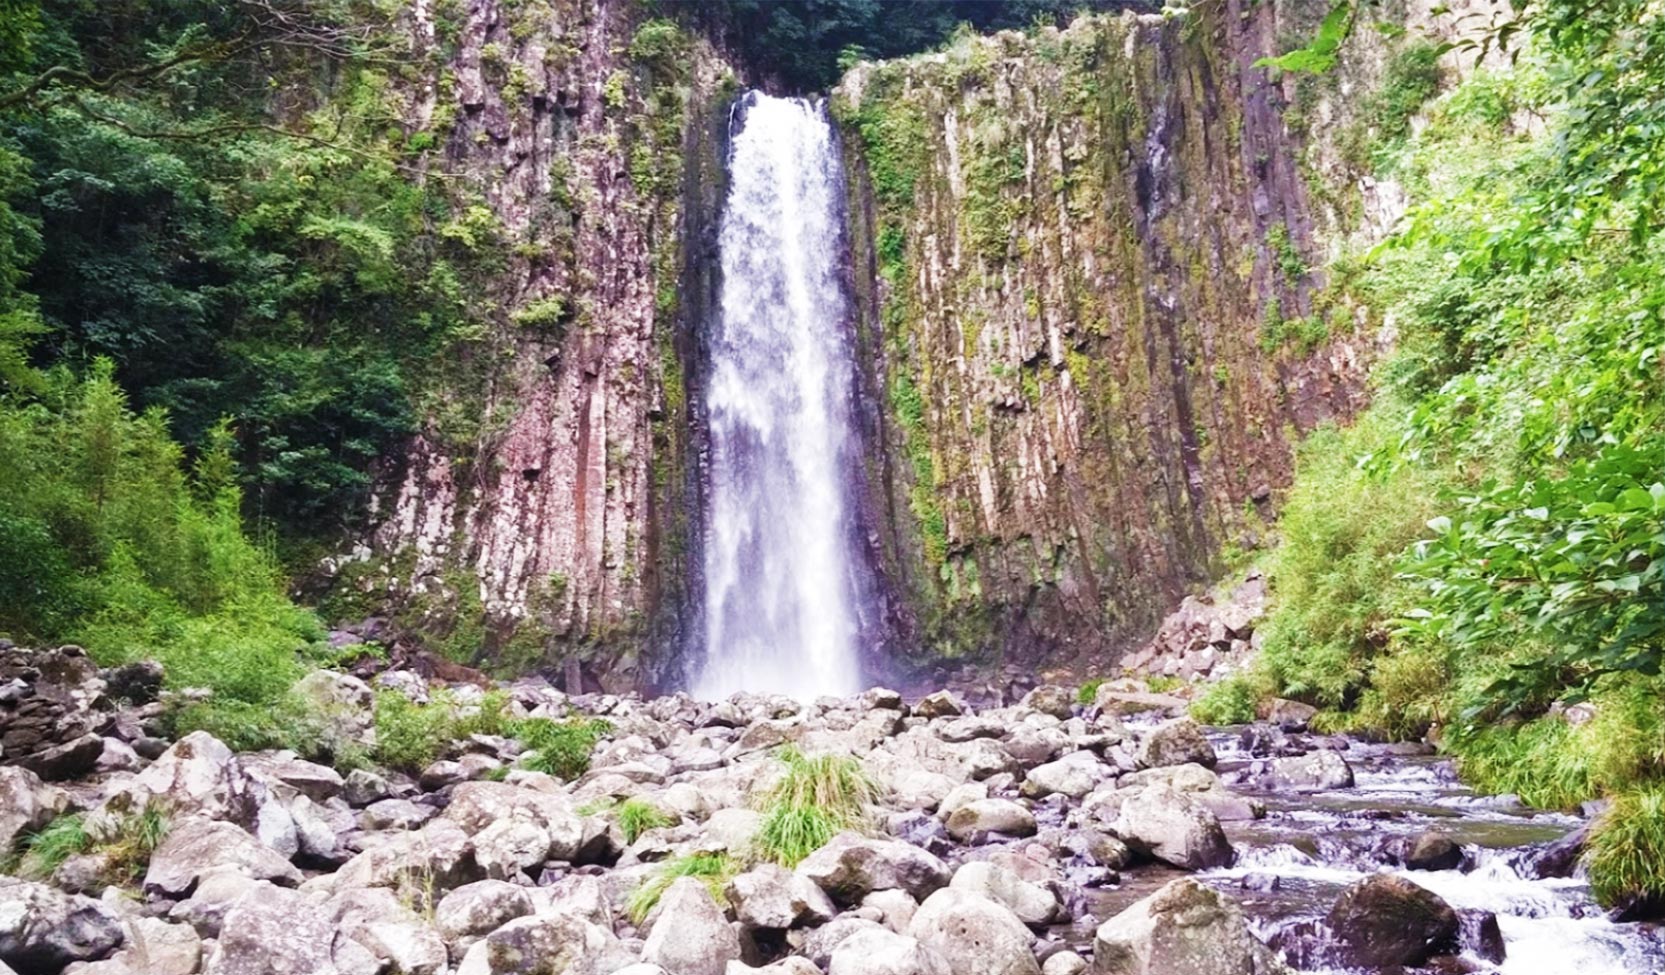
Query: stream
pixel 1316 844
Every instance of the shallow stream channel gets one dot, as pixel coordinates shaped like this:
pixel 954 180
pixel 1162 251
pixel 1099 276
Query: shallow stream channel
pixel 1504 861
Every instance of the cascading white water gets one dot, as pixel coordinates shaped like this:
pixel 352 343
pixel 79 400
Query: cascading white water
pixel 779 600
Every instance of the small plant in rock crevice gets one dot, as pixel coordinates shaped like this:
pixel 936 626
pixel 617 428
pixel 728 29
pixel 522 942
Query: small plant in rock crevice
pixel 124 841
pixel 637 816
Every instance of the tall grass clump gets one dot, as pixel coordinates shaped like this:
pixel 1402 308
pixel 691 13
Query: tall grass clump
pixel 124 841
pixel 1627 848
pixel 816 798
pixel 637 816
pixel 715 869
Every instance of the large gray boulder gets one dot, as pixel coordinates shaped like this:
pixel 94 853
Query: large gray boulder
pixel 771 896
pixel 885 953
pixel 1051 699
pixel 1174 828
pixel 689 934
pixel 43 929
pixel 198 775
pixel 477 805
pixel 1074 775
pixel 546 944
pixel 1176 743
pixel 196 847
pixel 480 908
pixel 439 856
pixel 155 947
pixel 1185 928
pixel 974 935
pixel 975 821
pixel 1385 920
pixel 26 803
pixel 1316 771
pixel 1034 904
pixel 852 866
pixel 273 931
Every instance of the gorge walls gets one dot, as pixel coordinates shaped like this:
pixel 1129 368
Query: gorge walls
pixel 582 135
pixel 1091 314
pixel 1089 332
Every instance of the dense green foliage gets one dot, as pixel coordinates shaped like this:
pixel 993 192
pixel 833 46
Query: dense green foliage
pixel 560 748
pixel 1483 554
pixel 806 44
pixel 123 844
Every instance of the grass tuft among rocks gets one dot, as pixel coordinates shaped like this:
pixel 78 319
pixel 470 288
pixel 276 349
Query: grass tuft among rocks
pixel 816 798
pixel 637 816
pixel 715 869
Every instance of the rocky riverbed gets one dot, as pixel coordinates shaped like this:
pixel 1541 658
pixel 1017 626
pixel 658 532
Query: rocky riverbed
pixel 1037 837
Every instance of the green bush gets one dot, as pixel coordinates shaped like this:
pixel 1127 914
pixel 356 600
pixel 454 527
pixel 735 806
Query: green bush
pixel 715 869
pixel 1229 701
pixel 815 799
pixel 560 748
pixel 1087 693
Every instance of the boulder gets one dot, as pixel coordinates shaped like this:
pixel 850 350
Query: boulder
pixel 818 944
pixel 26 804
pixel 1051 699
pixel 546 944
pixel 689 934
pixel 272 931
pixel 198 775
pixel 895 908
pixel 43 929
pixel 1185 928
pixel 1074 775
pixel 363 787
pixel 1433 851
pixel 479 908
pixel 1063 963
pixel 975 821
pixel 437 857
pixel 1176 743
pixel 1174 828
pixel 942 704
pixel 852 866
pixel 476 805
pixel 1315 771
pixel 1034 904
pixel 316 782
pixel 215 896
pixel 155 947
pixel 66 760
pixel 771 896
pixel 1290 715
pixel 974 935
pixel 509 848
pixel 790 965
pixel 1385 920
pixel 405 947
pixel 395 814
pixel 885 953
pixel 196 847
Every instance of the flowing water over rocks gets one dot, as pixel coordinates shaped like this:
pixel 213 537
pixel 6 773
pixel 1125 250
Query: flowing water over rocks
pixel 780 614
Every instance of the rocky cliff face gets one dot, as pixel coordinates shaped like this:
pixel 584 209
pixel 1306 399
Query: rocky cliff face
pixel 1089 327
pixel 575 128
pixel 1089 305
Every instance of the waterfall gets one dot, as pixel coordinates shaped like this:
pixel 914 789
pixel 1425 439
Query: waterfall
pixel 780 595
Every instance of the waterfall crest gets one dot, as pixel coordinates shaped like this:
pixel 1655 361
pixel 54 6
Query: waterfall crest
pixel 780 600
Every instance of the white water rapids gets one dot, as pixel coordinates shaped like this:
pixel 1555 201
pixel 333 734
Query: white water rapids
pixel 779 600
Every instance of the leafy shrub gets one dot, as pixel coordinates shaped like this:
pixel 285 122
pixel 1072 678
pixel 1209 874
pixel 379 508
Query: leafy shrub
pixel 560 748
pixel 715 869
pixel 1229 701
pixel 815 799
pixel 1087 693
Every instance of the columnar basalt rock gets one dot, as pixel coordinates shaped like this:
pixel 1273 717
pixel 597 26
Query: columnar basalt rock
pixel 561 521
pixel 1089 304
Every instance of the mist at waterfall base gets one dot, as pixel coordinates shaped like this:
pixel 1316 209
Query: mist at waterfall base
pixel 780 612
